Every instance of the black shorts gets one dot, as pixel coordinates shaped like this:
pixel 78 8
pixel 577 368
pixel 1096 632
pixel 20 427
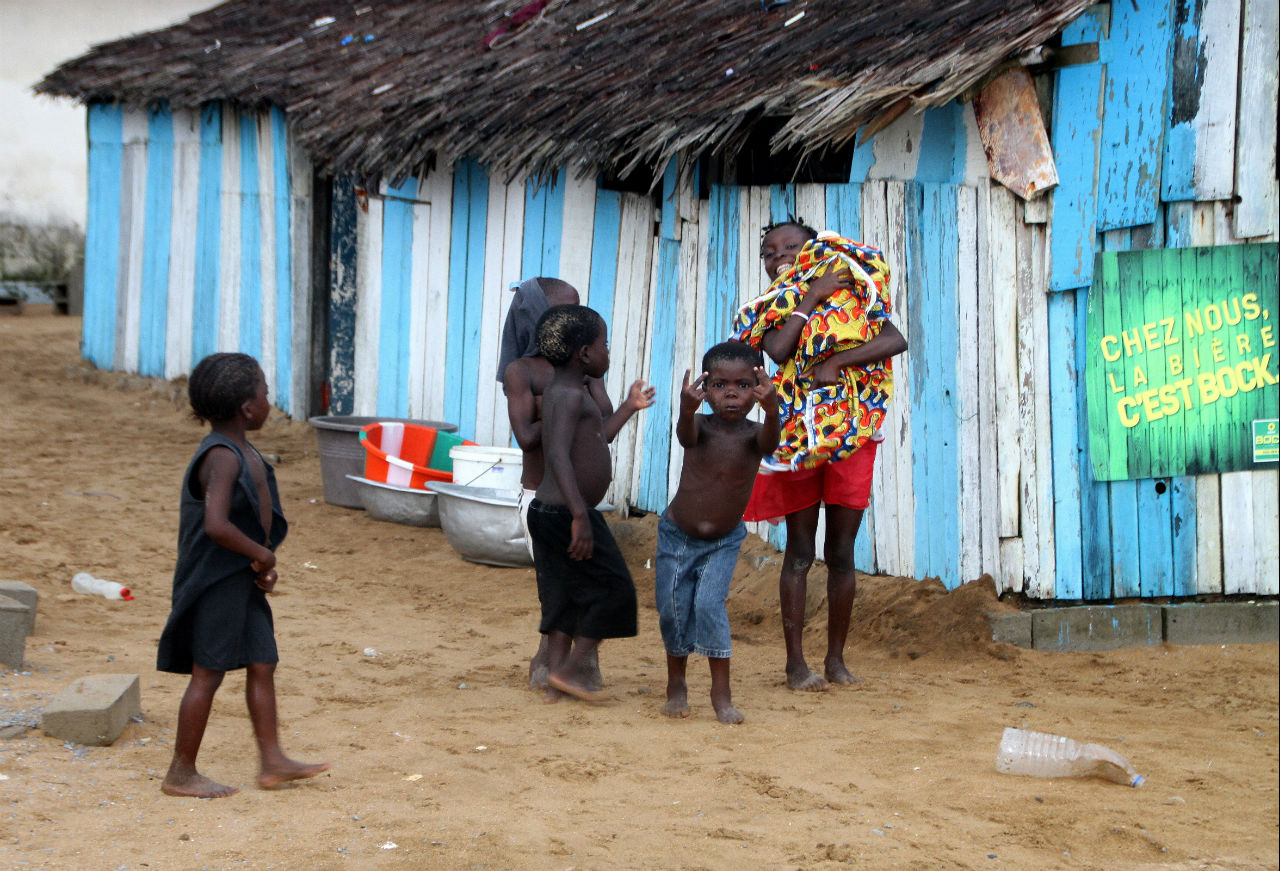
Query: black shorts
pixel 591 598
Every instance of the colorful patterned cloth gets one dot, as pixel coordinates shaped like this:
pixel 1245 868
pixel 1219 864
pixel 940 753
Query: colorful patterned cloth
pixel 821 424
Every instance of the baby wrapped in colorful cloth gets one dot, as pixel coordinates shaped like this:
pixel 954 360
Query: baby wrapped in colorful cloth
pixel 825 422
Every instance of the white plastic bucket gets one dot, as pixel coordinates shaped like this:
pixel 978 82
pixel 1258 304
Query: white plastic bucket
pixel 486 466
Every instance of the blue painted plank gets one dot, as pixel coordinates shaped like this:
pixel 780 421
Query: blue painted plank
pixel 1065 382
pixel 543 227
pixel 844 210
pixel 1136 53
pixel 933 249
pixel 250 238
pixel 864 157
pixel 155 240
pixel 720 302
pixel 205 297
pixel 1177 173
pixel 1077 128
pixel 342 297
pixel 782 203
pixel 466 294
pixel 284 259
pixel 1095 507
pixel 942 145
pixel 394 296
pixel 102 236
pixel 604 252
pixel 667 222
pixel 656 444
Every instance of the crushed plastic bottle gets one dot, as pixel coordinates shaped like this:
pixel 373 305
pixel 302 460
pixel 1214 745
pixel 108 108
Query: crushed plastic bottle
pixel 89 585
pixel 1037 754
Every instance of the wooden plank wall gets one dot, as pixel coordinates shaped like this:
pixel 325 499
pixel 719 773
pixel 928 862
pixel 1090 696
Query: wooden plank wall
pixel 189 237
pixel 199 229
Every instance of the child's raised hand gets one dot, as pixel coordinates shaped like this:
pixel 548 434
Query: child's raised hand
pixel 691 395
pixel 640 396
pixel 763 392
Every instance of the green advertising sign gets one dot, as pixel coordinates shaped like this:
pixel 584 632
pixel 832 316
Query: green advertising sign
pixel 1181 360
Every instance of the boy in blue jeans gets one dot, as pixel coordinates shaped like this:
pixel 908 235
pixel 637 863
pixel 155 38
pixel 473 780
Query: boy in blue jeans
pixel 701 531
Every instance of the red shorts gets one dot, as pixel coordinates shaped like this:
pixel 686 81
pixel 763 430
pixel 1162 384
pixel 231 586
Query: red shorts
pixel 845 482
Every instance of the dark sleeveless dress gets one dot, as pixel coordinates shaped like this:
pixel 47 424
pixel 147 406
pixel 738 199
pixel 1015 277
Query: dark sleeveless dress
pixel 220 619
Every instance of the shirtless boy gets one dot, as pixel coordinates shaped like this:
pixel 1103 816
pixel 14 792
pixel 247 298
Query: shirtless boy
pixel 584 585
pixel 701 531
pixel 523 381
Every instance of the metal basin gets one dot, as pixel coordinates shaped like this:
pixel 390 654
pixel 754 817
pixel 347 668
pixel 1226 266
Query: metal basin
pixel 394 504
pixel 338 438
pixel 482 524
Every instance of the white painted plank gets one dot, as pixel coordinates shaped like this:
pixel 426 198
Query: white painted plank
pixel 811 203
pixel 689 327
pixel 1266 519
pixel 1002 242
pixel 419 290
pixel 577 229
pixel 895 252
pixel 881 520
pixel 267 258
pixel 967 384
pixel 133 201
pixel 1239 558
pixel 512 254
pixel 1028 492
pixel 182 243
pixel 1011 571
pixel 300 206
pixel 630 306
pixel 897 148
pixel 1043 584
pixel 499 234
pixel 1208 534
pixel 1257 212
pixel 977 171
pixel 1213 172
pixel 644 320
pixel 438 189
pixel 229 259
pixel 368 307
pixel 985 430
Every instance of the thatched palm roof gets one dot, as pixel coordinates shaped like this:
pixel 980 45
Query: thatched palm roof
pixel 380 88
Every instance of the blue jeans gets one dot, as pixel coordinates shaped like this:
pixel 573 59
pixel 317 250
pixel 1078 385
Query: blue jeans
pixel 691 587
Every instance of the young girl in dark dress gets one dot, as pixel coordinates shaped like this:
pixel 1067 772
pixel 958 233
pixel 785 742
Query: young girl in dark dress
pixel 229 525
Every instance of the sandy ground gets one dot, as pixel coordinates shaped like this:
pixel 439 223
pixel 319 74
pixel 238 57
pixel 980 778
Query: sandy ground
pixel 406 668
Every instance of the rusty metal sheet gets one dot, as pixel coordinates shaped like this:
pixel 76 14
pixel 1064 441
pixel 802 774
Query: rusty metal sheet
pixel 1019 155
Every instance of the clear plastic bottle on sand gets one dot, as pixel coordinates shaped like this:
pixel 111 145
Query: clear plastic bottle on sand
pixel 1036 754
pixel 88 584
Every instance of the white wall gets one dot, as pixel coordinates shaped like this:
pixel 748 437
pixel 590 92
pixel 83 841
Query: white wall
pixel 42 139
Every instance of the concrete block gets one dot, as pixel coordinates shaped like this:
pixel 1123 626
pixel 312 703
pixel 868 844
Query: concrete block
pixel 1097 627
pixel 1011 627
pixel 14 618
pixel 94 709
pixel 24 593
pixel 1222 623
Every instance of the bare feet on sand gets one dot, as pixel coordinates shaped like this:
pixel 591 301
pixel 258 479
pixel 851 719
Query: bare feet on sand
pixel 837 673
pixel 728 714
pixel 677 702
pixel 287 770
pixel 538 668
pixel 805 681
pixel 579 690
pixel 194 785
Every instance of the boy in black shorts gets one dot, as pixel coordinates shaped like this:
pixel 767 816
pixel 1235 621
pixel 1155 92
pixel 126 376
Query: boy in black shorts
pixel 584 585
